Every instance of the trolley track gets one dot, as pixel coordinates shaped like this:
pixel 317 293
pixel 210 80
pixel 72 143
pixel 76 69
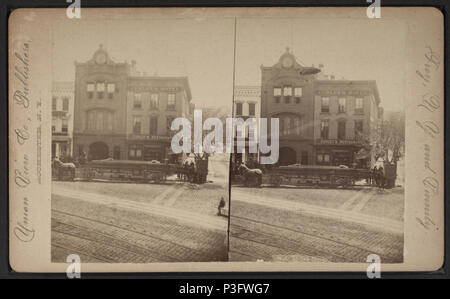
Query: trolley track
pixel 311 244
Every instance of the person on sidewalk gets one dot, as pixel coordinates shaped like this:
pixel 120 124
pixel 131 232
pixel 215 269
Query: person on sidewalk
pixel 221 206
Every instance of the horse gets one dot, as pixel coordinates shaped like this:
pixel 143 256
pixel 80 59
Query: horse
pixel 62 168
pixel 251 176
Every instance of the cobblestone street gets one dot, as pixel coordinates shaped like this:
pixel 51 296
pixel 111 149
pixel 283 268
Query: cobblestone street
pixel 316 225
pixel 139 223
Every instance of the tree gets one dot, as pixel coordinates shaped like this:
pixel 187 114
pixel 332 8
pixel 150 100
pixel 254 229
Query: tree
pixel 393 135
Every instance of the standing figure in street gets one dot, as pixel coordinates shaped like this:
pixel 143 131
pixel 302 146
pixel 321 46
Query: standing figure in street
pixel 221 206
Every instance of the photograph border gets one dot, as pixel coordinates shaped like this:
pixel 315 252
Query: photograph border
pixel 6 271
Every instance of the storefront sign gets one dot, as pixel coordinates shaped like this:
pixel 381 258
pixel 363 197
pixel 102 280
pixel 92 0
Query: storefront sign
pixel 150 137
pixel 146 88
pixel 333 92
pixel 338 142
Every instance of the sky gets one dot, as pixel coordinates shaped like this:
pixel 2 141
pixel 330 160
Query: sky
pixel 203 50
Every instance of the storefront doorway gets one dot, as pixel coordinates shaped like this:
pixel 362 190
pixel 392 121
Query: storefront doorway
pixel 287 156
pixel 98 151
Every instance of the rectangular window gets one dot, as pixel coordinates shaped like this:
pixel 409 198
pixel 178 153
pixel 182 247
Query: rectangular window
pixel 341 130
pixel 358 129
pixel 100 89
pixel 304 158
pixel 154 101
pixel 53 124
pixel 326 158
pixel 65 104
pixel 298 125
pixel 341 105
pixel 169 121
pixel 277 94
pixel 171 101
pixel 90 88
pixel 135 152
pixel 54 103
pixel 287 93
pixel 137 101
pixel 99 121
pixel 139 151
pixel 324 129
pixel 111 88
pixel 109 121
pixel 320 158
pixel 137 123
pixel 153 126
pixel 359 108
pixel 65 126
pixel 238 109
pixel 91 120
pixel 325 105
pixel 251 109
pixel 298 92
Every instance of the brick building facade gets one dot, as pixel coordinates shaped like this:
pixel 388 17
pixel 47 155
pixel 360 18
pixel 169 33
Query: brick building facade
pixel 287 92
pixel 322 121
pixel 62 119
pixel 122 114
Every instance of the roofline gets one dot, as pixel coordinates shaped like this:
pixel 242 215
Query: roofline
pixel 371 83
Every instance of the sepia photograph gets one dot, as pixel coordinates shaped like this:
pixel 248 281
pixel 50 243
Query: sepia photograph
pixel 336 192
pixel 226 140
pixel 119 192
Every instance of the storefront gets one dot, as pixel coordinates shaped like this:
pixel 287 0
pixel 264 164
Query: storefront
pixel 339 152
pixel 149 148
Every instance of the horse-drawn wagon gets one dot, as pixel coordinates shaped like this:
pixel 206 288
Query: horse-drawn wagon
pixel 128 170
pixel 303 175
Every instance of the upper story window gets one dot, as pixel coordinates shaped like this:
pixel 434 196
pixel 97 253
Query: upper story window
pixel 287 129
pixel 154 101
pixel 153 130
pixel 54 103
pixel 277 94
pixel 238 108
pixel 287 93
pixel 171 101
pixel 54 124
pixel 359 106
pixel 169 121
pixel 137 101
pixel 111 89
pixel 100 89
pixel 341 105
pixel 65 104
pixel 325 105
pixel 324 129
pixel 251 109
pixel 137 124
pixel 298 125
pixel 359 129
pixel 65 125
pixel 99 120
pixel 341 130
pixel 90 88
pixel 298 93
